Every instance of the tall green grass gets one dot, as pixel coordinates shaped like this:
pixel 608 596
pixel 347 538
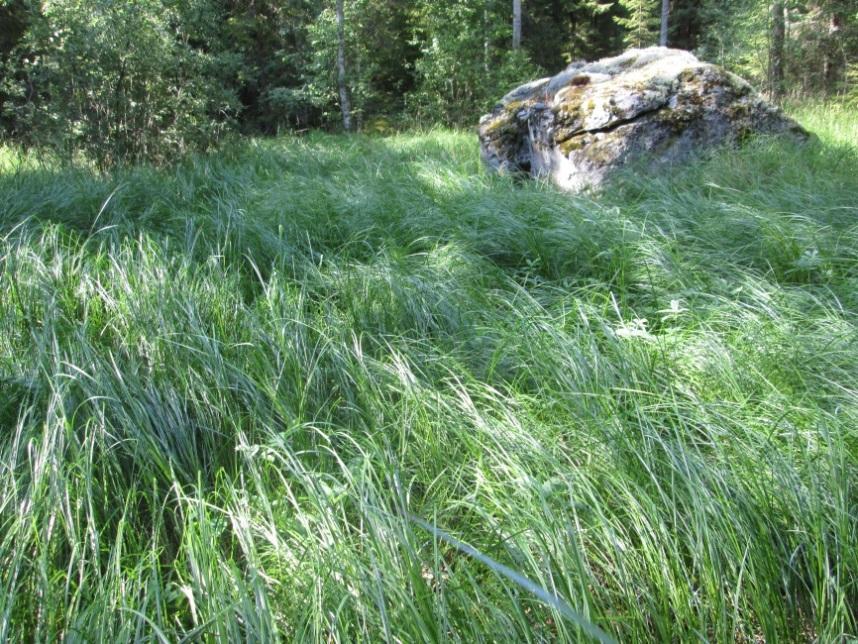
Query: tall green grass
pixel 235 393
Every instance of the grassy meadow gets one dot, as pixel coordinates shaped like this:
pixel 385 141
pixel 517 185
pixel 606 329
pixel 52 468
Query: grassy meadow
pixel 263 395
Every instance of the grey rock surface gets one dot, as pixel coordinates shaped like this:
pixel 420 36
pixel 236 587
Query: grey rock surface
pixel 662 105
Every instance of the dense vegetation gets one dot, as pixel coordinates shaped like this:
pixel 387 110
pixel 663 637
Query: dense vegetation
pixel 339 388
pixel 152 79
pixel 229 389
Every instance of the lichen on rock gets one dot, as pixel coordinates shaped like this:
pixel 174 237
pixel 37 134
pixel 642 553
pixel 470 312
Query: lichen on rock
pixel 592 118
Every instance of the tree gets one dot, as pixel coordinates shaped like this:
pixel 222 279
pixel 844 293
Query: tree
pixel 13 27
pixel 776 50
pixel 833 34
pixel 516 24
pixel 265 54
pixel 151 79
pixel 687 20
pixel 640 22
pixel 120 81
pixel 465 62
pixel 345 103
pixel 560 31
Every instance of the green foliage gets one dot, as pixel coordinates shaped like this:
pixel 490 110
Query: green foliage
pixel 465 51
pixel 852 85
pixel 269 54
pixel 466 62
pixel 116 81
pixel 13 26
pixel 823 39
pixel 561 31
pixel 822 42
pixel 379 56
pixel 640 22
pixel 154 79
pixel 454 84
pixel 735 33
pixel 226 386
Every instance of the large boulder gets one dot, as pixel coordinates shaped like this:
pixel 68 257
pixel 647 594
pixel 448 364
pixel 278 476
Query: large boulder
pixel 657 104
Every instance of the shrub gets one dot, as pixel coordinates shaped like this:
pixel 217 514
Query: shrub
pixel 118 81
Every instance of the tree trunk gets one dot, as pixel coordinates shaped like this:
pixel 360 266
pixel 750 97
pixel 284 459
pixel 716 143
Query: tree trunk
pixel 345 103
pixel 516 24
pixel 486 44
pixel 776 50
pixel 832 58
pixel 665 15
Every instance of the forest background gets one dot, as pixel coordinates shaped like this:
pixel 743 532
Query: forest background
pixel 152 79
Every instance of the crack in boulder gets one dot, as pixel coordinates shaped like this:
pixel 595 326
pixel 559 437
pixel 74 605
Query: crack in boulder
pixel 613 126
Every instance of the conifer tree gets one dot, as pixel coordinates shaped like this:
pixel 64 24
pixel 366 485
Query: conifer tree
pixel 641 22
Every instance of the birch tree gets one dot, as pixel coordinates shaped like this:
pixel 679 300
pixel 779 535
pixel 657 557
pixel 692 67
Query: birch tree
pixel 342 78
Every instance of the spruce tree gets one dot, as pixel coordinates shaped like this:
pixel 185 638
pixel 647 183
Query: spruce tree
pixel 641 21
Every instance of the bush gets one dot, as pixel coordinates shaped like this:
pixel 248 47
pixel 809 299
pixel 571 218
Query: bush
pixel 117 81
pixel 455 89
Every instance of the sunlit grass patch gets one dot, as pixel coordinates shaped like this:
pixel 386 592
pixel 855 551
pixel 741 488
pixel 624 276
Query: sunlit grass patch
pixel 228 387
